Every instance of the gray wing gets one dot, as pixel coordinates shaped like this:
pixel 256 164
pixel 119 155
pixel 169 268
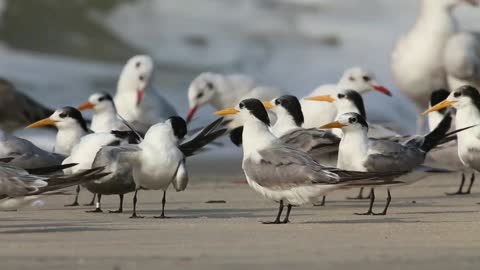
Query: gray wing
pixel 314 141
pixel 16 182
pixel 386 155
pixel 118 160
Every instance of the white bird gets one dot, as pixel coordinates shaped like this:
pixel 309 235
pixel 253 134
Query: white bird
pixel 136 99
pixel 358 152
pixel 283 173
pixel 222 91
pixel 19 187
pixel 462 60
pixel 17 109
pixel 71 128
pixel 416 59
pixel 466 101
pixel 355 78
pixel 156 162
pixel 105 117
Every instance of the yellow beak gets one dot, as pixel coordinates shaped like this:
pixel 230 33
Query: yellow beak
pixel 85 106
pixel 439 106
pixel 43 122
pixel 268 105
pixel 334 124
pixel 326 98
pixel 226 111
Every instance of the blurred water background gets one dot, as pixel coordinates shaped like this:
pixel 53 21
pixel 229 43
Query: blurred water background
pixel 59 51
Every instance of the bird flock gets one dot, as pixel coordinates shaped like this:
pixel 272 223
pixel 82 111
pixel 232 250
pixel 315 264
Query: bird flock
pixel 296 151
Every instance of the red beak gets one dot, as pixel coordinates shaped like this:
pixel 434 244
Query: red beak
pixel 190 113
pixel 139 96
pixel 382 90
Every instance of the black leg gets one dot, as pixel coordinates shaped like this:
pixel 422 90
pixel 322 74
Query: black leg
pixel 322 203
pixel 472 180
pixel 359 196
pixel 277 220
pixel 75 202
pixel 389 199
pixel 289 208
pixel 372 200
pixel 98 207
pixel 120 207
pixel 164 201
pixel 134 214
pixel 460 188
pixel 92 202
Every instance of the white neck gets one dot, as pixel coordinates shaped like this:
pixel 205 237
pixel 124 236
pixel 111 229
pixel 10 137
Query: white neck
pixel 283 125
pixel 353 150
pixel 67 138
pixel 256 136
pixel 466 116
pixel 434 118
pixel 105 120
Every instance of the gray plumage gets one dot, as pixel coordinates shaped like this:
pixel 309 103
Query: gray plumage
pixel 316 142
pixel 388 155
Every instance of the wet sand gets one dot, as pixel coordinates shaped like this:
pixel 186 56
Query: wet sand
pixel 424 230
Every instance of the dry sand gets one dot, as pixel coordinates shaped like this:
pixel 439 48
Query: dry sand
pixel 424 230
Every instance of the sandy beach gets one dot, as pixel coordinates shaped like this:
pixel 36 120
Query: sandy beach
pixel 425 229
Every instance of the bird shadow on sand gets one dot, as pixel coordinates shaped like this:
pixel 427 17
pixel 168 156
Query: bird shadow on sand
pixel 376 220
pixel 53 229
pixel 208 213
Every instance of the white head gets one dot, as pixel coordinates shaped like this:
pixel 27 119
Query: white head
pixel 99 102
pixel 348 122
pixel 136 76
pixel 173 130
pixel 448 4
pixel 66 118
pixel 287 108
pixel 202 90
pixel 362 81
pixel 464 97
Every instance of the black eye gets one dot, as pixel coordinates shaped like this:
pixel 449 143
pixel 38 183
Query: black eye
pixel 200 95
pixel 341 95
pixel 457 94
pixel 137 65
pixel 351 78
pixel 141 78
pixel 352 120
pixel 366 78
pixel 241 105
pixel 277 102
pixel 101 99
pixel 209 86
pixel 63 115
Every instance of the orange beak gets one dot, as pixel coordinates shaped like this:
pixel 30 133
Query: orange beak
pixel 268 105
pixel 85 106
pixel 326 98
pixel 43 122
pixel 334 124
pixel 226 111
pixel 439 106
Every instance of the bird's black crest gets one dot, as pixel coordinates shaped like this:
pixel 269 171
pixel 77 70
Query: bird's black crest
pixel 357 118
pixel 357 100
pixel 179 126
pixel 439 96
pixel 471 92
pixel 77 115
pixel 107 96
pixel 257 109
pixel 292 105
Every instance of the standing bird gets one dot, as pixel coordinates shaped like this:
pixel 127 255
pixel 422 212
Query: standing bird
pixel 283 173
pixel 136 99
pixel 156 162
pixel 71 128
pixel 221 91
pixel 462 60
pixel 466 101
pixel 17 109
pixel 105 118
pixel 355 78
pixel 358 152
pixel 416 59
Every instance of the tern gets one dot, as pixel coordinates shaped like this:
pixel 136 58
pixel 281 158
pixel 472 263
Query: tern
pixel 155 163
pixel 416 60
pixel 466 101
pixel 222 91
pixel 356 78
pixel 17 109
pixel 136 99
pixel 360 153
pixel 283 173
pixel 105 117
